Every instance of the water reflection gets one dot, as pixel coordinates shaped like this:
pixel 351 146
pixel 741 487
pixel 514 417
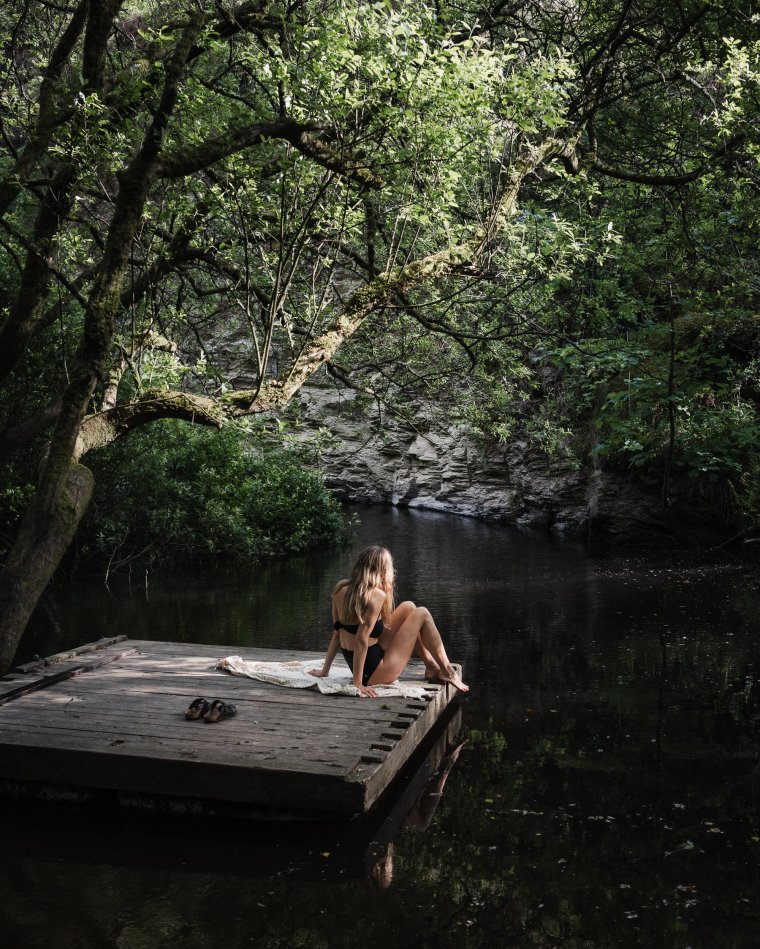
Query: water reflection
pixel 608 793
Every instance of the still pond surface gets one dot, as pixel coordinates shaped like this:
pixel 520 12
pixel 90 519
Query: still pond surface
pixel 607 792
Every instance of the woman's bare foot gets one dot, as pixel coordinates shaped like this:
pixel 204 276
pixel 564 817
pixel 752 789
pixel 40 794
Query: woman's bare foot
pixel 432 672
pixel 452 677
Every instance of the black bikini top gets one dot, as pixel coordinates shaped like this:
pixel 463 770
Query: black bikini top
pixel 353 628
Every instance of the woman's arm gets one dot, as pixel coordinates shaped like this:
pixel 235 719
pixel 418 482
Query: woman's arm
pixel 332 651
pixel 361 644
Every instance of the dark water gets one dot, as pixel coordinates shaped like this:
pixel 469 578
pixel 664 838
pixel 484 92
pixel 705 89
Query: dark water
pixel 607 793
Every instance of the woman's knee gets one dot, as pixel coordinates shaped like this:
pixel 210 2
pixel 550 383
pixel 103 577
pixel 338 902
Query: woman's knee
pixel 402 612
pixel 422 613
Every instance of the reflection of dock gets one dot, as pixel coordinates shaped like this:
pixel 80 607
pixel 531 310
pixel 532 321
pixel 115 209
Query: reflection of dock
pixel 112 719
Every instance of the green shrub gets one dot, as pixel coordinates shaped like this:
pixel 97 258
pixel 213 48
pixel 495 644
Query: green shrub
pixel 175 494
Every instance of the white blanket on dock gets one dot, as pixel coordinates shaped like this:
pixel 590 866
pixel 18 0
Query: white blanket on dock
pixel 295 675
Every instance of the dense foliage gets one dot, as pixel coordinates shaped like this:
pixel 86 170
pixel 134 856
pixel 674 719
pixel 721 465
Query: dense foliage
pixel 620 330
pixel 174 496
pixel 547 208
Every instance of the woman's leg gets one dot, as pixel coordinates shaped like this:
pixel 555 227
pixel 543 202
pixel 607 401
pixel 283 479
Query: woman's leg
pixel 402 611
pixel 432 669
pixel 399 645
pixel 399 615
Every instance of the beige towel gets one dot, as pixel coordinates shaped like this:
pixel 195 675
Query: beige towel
pixel 295 675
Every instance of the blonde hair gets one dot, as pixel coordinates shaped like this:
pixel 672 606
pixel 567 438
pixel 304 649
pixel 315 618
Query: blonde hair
pixel 370 570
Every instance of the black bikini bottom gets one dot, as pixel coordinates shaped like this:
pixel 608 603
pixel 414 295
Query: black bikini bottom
pixel 372 660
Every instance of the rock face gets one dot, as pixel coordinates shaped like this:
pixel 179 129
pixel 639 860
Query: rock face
pixel 370 457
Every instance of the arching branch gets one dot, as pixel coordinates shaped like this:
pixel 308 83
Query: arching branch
pixel 300 135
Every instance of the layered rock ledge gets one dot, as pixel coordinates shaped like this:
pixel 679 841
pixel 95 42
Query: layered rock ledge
pixel 369 456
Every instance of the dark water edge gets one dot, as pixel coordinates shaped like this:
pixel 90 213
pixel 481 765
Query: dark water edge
pixel 607 793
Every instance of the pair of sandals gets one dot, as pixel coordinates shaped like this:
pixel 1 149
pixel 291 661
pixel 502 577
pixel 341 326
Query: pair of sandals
pixel 209 711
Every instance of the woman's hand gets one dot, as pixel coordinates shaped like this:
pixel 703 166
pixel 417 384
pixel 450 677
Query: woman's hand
pixel 366 692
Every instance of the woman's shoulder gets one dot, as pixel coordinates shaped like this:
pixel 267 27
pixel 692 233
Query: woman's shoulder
pixel 340 585
pixel 376 596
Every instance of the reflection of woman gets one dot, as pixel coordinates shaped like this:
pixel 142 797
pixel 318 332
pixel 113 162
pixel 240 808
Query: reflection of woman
pixel 422 811
pixel 381 870
pixel 377 641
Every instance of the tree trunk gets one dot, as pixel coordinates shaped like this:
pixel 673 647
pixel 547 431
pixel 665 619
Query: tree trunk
pixel 45 534
pixel 65 487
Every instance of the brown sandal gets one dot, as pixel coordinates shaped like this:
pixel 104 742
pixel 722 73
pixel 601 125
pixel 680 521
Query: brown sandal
pixel 219 710
pixel 196 709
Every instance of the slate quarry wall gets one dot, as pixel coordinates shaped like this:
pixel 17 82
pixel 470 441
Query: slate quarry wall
pixel 373 457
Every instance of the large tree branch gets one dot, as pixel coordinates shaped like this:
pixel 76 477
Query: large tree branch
pixel 12 439
pixel 187 161
pixel 27 309
pixel 642 178
pixel 575 162
pixel 46 118
pixel 593 94
pixel 250 16
pixel 612 41
pixel 390 284
pixel 300 135
pixel 29 246
pixel 102 428
pixel 65 487
pixel 95 18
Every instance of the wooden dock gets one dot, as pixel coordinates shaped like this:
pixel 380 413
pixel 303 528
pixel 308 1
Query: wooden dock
pixel 110 717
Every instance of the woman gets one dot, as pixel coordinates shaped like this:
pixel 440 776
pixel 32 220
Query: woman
pixel 377 641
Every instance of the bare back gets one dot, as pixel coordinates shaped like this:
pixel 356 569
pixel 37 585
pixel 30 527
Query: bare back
pixel 372 617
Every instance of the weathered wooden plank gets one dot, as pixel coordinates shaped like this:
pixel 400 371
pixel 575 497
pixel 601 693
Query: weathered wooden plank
pixel 260 731
pixel 202 660
pixel 281 701
pixel 10 682
pixel 371 725
pixel 392 818
pixel 241 727
pixel 151 709
pixel 246 723
pixel 300 733
pixel 266 694
pixel 126 670
pixel 290 751
pixel 37 664
pixel 212 654
pixel 277 784
pixel 251 716
pixel 187 680
pixel 41 670
pixel 32 684
pixel 45 681
pixel 329 762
